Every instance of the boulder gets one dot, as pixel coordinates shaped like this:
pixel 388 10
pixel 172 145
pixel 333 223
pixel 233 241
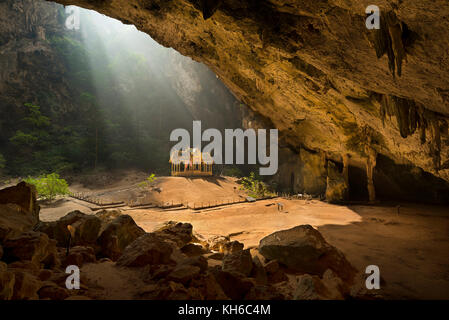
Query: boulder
pixel 44 274
pixel 304 249
pixel 108 215
pixel 79 255
pixel 19 211
pixel 177 232
pixel 117 235
pixel 87 228
pixel 214 256
pixel 26 286
pixel 264 292
pixel 216 242
pixel 148 249
pixel 23 195
pixel 192 249
pixel 234 285
pixel 309 287
pixel 184 273
pixel 274 272
pixel 238 262
pixel 258 272
pixel 231 247
pixel 198 261
pixel 51 291
pixel 7 281
pixel 31 246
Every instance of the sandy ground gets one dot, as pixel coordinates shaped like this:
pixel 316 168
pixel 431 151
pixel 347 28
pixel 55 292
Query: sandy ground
pixel 411 248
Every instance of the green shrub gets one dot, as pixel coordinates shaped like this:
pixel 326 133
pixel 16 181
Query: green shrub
pixel 49 186
pixel 149 181
pixel 255 187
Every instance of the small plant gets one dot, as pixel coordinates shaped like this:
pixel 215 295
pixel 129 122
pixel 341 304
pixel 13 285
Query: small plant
pixel 49 186
pixel 148 182
pixel 254 186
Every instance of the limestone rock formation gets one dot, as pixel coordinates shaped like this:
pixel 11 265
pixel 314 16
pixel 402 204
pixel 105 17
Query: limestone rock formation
pixel 35 247
pixel 122 231
pixel 148 249
pixel 19 211
pixel 86 227
pixel 304 249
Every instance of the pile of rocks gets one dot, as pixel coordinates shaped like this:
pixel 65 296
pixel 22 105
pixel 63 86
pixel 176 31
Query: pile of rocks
pixel 174 262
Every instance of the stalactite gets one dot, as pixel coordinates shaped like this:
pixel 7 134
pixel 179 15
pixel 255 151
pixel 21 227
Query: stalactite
pixel 411 116
pixel 389 39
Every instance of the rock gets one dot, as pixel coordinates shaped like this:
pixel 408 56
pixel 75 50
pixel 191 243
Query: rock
pixel 272 266
pixel 23 195
pixel 234 285
pixel 53 292
pixel 216 242
pixel 118 235
pixel 258 272
pixel 1 252
pixel 263 292
pixel 238 262
pixel 231 247
pixel 44 274
pixel 19 211
pixel 25 265
pixel 214 256
pixel 198 261
pixel 7 281
pixel 80 255
pixel 161 271
pixel 26 286
pixel 184 273
pixel 148 249
pixel 177 232
pixel 192 249
pixel 108 215
pixel 304 249
pixel 274 272
pixel 32 246
pixel 86 227
pixel 313 288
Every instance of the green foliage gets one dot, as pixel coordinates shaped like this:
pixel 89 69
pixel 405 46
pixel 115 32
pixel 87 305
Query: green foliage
pixel 2 161
pixel 35 118
pixel 232 172
pixel 49 186
pixel 255 187
pixel 149 181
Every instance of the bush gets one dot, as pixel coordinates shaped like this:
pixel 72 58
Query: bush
pixel 255 187
pixel 149 181
pixel 49 186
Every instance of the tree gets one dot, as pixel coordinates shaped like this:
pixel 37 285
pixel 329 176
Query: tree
pixel 254 186
pixel 149 181
pixel 49 186
pixel 2 161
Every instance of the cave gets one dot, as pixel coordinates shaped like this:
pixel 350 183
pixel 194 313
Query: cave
pixel 94 95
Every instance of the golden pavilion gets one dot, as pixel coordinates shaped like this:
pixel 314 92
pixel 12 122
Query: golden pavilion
pixel 191 162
